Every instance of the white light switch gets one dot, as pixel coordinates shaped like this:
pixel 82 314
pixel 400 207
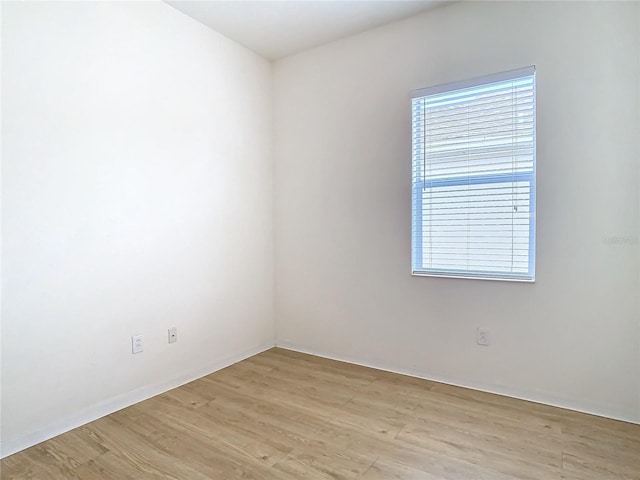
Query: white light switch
pixel 173 335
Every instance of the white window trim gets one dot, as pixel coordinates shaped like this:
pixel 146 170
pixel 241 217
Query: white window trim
pixel 530 176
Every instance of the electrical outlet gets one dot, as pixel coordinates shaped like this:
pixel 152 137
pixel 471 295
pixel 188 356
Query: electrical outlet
pixel 482 337
pixel 136 344
pixel 173 334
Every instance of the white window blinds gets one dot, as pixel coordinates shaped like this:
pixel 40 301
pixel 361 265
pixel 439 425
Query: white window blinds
pixel 474 164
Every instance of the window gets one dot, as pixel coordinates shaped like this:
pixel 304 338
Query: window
pixel 474 171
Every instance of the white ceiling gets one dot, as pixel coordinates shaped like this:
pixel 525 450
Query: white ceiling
pixel 275 29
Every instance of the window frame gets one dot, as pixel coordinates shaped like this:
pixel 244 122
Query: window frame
pixel 418 186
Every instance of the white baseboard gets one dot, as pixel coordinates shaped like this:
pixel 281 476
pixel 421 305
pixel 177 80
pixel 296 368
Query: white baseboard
pixel 111 405
pixel 583 407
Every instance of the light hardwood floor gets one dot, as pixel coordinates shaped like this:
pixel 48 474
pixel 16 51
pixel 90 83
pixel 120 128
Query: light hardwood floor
pixel 285 415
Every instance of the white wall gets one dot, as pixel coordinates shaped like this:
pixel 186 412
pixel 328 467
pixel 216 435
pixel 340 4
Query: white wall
pixel 342 149
pixel 137 195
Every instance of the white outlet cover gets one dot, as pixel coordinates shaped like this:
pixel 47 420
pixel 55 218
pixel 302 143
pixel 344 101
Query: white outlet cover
pixel 136 344
pixel 482 337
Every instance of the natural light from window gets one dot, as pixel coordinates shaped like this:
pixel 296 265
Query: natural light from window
pixel 473 177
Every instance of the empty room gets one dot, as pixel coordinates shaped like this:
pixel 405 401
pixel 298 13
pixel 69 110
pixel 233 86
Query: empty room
pixel 322 240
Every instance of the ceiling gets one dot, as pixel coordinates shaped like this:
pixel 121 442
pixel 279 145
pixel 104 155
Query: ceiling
pixel 276 29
